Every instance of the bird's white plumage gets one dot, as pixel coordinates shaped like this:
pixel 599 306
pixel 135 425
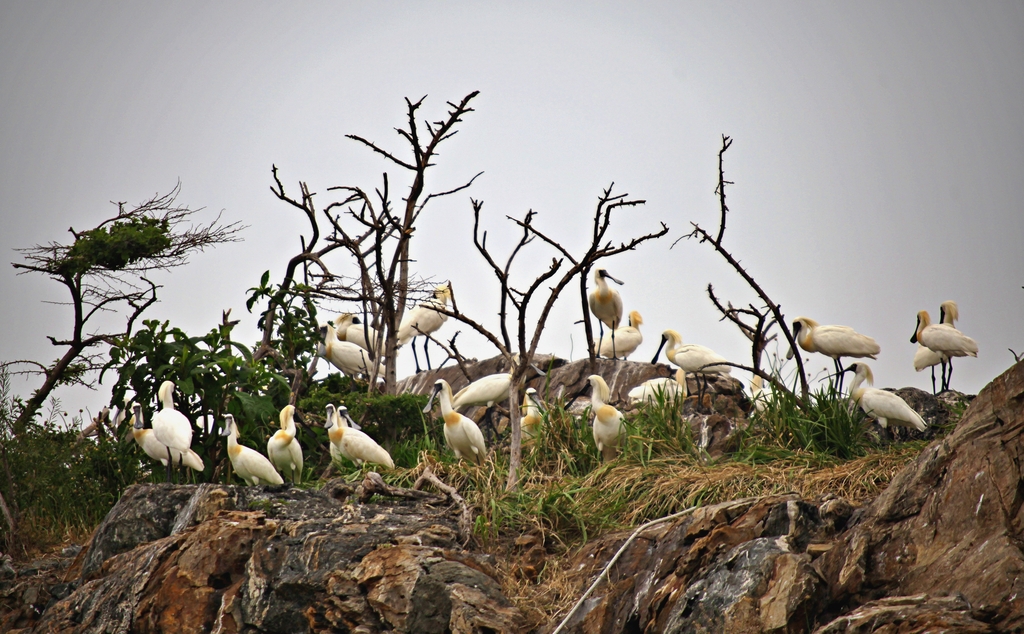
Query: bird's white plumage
pixel 627 339
pixel 171 427
pixel 607 420
pixel 460 432
pixel 925 357
pixel 283 448
pixel 147 440
pixel 348 328
pixel 605 302
pixel 943 338
pixel 249 464
pixel 884 406
pixel 424 318
pixel 487 390
pixel 347 357
pixel 351 443
pixel 758 395
pixel 833 341
pixel 669 388
pixel 692 357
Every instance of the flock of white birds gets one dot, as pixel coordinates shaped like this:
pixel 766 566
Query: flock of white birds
pixel 349 346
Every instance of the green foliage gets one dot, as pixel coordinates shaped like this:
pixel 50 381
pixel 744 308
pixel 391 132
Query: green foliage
pixel 297 334
pixel 116 246
pixel 830 425
pixel 213 376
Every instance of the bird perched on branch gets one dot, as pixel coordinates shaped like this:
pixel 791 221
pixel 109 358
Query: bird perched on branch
pixel 605 303
pixel 670 389
pixel 608 432
pixel 693 358
pixel 424 319
pixel 622 341
pixel 884 406
pixel 171 427
pixel 944 339
pixel 348 327
pixel 460 432
pixel 250 465
pixel 833 341
pixel 346 356
pixel 349 442
pixel 283 447
pixel 146 438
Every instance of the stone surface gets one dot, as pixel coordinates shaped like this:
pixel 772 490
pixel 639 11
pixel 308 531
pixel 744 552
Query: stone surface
pixel 909 615
pixel 951 522
pixel 279 559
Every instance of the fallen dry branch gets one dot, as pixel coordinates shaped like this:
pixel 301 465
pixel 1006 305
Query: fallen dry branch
pixel 465 518
pixel 374 484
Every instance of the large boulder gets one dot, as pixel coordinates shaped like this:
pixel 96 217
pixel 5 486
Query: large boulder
pixel 951 523
pixel 280 559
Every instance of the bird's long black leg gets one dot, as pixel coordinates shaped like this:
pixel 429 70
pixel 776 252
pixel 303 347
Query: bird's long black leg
pixel 839 374
pixel 426 352
pixel 414 357
pixel 933 381
pixel 615 354
pixel 949 375
pixel 170 464
pixel 181 467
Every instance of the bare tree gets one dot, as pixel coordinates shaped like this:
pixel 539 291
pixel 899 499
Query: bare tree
pixel 519 299
pixel 375 235
pixel 754 322
pixel 104 269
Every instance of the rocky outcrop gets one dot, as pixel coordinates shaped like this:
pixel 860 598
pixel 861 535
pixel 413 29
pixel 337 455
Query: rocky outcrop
pixel 949 524
pixel 278 559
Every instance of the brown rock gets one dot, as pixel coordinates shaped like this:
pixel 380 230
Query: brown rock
pixel 908 615
pixel 950 522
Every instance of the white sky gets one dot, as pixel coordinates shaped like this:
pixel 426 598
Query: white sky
pixel 878 155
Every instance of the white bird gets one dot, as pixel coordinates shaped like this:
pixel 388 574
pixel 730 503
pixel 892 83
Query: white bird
pixel 283 447
pixel 249 464
pixel 146 438
pixel 925 357
pixel 348 327
pixel 347 357
pixel 351 443
pixel 487 390
pixel 692 358
pixel 607 420
pixel 833 341
pixel 172 428
pixel 605 302
pixel 882 405
pixel 758 395
pixel 530 423
pixel 944 338
pixel 670 389
pixel 424 319
pixel 460 432
pixel 624 340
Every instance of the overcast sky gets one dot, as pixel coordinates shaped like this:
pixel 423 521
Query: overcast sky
pixel 878 157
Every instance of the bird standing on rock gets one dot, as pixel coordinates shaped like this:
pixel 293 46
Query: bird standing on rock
pixel 884 406
pixel 146 438
pixel 669 388
pixel 833 341
pixel 460 432
pixel 623 341
pixel 283 447
pixel 250 465
pixel 424 320
pixel 693 358
pixel 171 427
pixel 944 339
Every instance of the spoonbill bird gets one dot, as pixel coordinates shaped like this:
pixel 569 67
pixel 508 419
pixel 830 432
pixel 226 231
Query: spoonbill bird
pixel 833 341
pixel 882 405
pixel 608 430
pixel 146 438
pixel 424 319
pixel 693 358
pixel 487 390
pixel 948 314
pixel 346 356
pixel 349 442
pixel 943 338
pixel 605 303
pixel 758 396
pixel 669 388
pixel 283 447
pixel 171 427
pixel 348 327
pixel 460 433
pixel 250 465
pixel 624 340
pixel 531 420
